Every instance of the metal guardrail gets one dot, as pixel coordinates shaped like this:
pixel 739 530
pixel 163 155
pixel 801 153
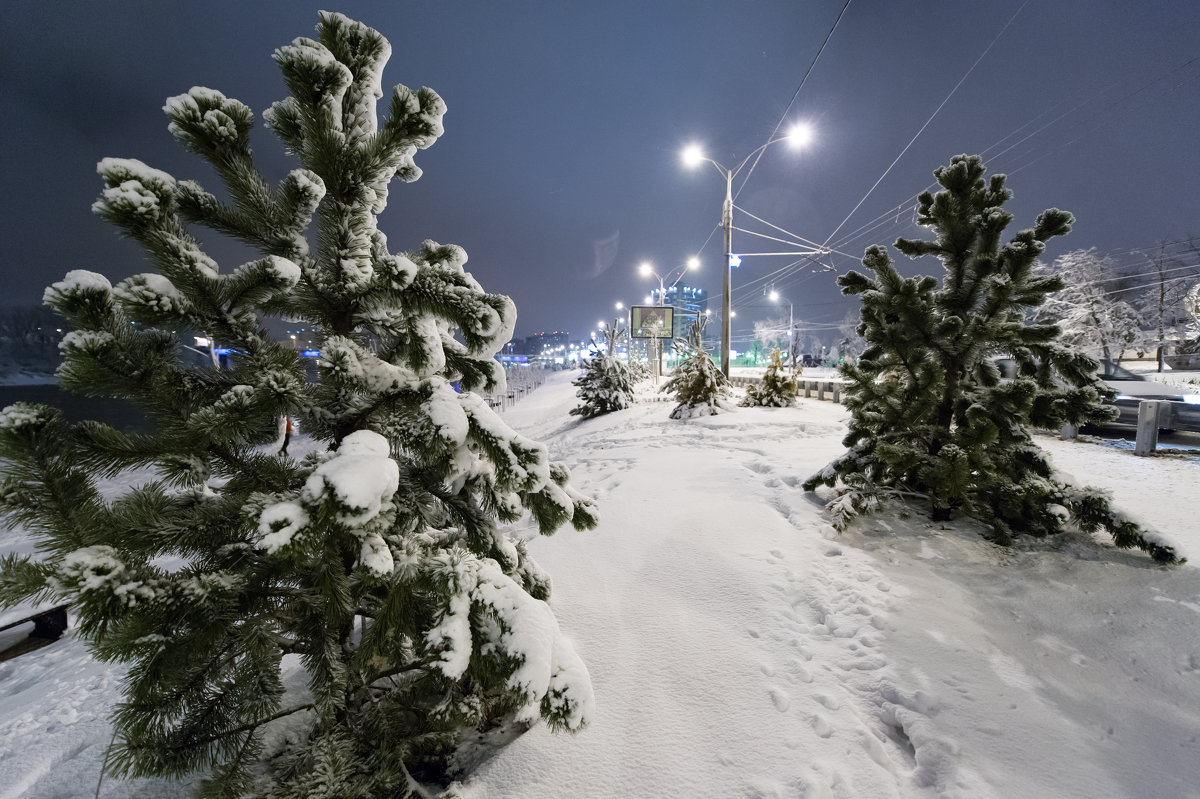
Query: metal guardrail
pixel 1155 415
pixel 821 389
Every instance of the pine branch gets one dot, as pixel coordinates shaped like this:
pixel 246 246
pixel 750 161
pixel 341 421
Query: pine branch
pixel 243 728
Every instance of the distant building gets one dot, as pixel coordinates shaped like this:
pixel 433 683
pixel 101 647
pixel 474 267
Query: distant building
pixel 688 302
pixel 546 343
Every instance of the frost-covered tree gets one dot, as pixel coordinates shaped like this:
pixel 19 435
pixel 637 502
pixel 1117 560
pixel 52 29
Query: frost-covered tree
pixel 851 342
pixel 698 384
pixel 606 383
pixel 930 417
pixel 1189 339
pixel 771 333
pixel 1164 301
pixel 379 562
pixel 777 389
pixel 1089 310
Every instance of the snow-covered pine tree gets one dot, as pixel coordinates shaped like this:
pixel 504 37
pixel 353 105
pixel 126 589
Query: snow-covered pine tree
pixel 930 416
pixel 777 389
pixel 698 385
pixel 379 562
pixel 606 384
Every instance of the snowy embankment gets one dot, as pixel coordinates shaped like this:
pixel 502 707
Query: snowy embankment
pixel 741 648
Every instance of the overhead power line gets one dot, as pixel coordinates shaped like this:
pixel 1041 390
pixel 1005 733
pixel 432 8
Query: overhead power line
pixel 961 81
pixel 795 94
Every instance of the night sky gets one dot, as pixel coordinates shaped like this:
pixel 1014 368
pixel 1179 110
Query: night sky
pixel 559 171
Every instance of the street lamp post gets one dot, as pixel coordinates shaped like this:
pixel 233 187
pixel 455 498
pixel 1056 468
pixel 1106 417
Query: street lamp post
pixel 791 328
pixel 798 136
pixel 647 270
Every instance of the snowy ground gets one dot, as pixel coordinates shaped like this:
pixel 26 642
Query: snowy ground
pixel 741 648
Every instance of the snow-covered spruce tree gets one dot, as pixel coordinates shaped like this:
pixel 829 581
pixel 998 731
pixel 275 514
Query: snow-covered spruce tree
pixel 777 389
pixel 697 385
pixel 606 384
pixel 378 562
pixel 930 416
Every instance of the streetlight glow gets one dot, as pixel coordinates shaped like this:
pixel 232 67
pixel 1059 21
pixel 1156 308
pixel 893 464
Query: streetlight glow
pixel 646 268
pixel 799 135
pixel 693 263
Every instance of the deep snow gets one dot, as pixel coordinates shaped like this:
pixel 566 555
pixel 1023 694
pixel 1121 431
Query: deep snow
pixel 739 647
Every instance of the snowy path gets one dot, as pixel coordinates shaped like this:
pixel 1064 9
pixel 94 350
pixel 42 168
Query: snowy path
pixel 739 648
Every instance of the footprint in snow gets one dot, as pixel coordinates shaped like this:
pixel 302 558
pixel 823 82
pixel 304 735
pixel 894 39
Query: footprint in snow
pixel 821 725
pixel 830 702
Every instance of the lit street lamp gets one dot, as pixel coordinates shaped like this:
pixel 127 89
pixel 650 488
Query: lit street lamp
pixel 797 136
pixel 791 328
pixel 647 269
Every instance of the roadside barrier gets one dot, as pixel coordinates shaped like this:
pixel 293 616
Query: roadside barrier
pixel 822 389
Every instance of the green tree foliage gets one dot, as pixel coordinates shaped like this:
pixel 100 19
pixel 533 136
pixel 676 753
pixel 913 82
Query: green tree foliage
pixel 698 385
pixel 777 389
pixel 606 384
pixel 930 416
pixel 378 563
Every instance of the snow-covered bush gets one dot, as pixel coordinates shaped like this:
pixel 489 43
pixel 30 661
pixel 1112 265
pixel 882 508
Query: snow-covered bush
pixel 606 384
pixel 777 389
pixel 380 561
pixel 698 385
pixel 930 416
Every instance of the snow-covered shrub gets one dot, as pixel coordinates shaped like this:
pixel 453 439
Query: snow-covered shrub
pixel 381 561
pixel 606 384
pixel 930 416
pixel 777 389
pixel 698 385
pixel 639 371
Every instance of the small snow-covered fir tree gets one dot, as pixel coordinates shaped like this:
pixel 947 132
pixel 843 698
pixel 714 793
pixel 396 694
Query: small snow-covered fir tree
pixel 380 560
pixel 930 416
pixel 606 384
pixel 777 389
pixel 639 371
pixel 698 385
